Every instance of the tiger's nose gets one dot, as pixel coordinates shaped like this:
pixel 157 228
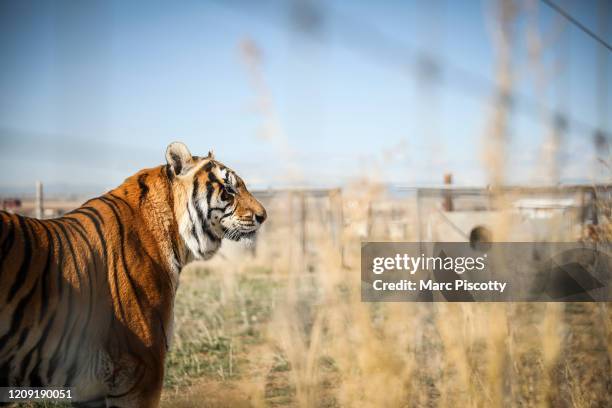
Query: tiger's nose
pixel 261 217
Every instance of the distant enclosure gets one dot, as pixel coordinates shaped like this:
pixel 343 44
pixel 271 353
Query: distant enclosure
pixel 305 225
pixel 448 213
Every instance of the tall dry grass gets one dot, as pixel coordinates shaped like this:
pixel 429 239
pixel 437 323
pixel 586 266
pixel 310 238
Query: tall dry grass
pixel 301 335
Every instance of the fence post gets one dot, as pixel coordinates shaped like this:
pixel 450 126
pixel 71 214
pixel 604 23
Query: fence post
pixel 447 204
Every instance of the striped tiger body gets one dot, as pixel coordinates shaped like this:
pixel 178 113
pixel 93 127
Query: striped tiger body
pixel 86 299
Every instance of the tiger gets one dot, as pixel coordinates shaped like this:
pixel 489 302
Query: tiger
pixel 86 299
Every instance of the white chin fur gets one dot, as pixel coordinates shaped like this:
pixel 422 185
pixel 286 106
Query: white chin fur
pixel 247 242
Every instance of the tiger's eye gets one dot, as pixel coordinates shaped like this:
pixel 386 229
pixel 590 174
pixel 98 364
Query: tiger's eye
pixel 225 196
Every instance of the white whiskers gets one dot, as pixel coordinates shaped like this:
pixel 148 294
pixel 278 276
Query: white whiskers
pixel 236 234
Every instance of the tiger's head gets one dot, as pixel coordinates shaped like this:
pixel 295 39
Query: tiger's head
pixel 211 202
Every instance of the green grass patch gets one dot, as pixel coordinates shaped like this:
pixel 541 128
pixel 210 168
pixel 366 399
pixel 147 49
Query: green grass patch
pixel 214 321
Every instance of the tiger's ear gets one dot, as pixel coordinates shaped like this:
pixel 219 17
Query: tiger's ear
pixel 179 158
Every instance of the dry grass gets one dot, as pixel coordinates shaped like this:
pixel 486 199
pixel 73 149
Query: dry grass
pixel 267 331
pixel 286 328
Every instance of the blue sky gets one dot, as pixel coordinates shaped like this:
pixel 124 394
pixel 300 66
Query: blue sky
pixel 90 92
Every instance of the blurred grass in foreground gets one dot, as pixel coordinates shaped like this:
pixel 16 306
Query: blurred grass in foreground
pixel 286 327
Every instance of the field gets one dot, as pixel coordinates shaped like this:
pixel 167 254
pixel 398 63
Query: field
pixel 283 325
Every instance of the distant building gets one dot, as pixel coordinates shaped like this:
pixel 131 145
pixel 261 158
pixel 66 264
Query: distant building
pixel 11 204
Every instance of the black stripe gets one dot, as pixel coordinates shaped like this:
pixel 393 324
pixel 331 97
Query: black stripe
pixel 229 214
pixel 169 173
pixel 194 191
pixel 209 192
pixel 95 211
pixel 207 167
pixel 4 220
pixel 46 275
pixel 114 207
pixel 4 373
pixel 163 328
pixel 17 376
pixel 175 251
pixel 85 205
pixel 17 317
pixel 116 197
pixel 194 194
pixel 193 228
pixel 25 263
pixel 213 178
pixel 23 335
pixel 144 188
pixel 62 228
pixel 72 370
pixel 203 220
pixel 210 235
pixel 97 222
pixel 80 229
pixel 9 239
pixel 25 362
pixel 59 281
